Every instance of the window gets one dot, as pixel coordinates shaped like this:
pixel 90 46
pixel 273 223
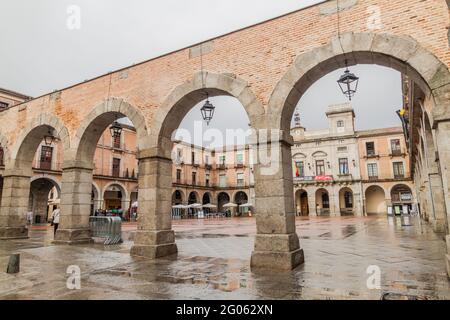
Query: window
pixel 399 170
pixel 320 167
pixel 340 124
pixel 1 156
pixel 179 155
pixel 240 179
pixel 343 166
pixel 222 181
pixel 193 157
pixel 222 160
pixel 396 147
pixel 207 160
pixel 116 141
pixel 240 158
pixel 178 175
pixel 372 170
pixel 3 105
pixel 194 178
pixel 116 167
pixel 370 149
pixel 46 157
pixel 207 180
pixel 300 172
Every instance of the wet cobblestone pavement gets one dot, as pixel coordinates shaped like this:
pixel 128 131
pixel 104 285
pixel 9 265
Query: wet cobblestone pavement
pixel 213 263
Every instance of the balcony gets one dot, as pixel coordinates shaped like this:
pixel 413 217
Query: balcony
pixel 397 153
pixel 370 155
pixel 208 167
pixel 345 177
pixel 373 178
pixel 222 167
pixel 239 166
pixel 399 176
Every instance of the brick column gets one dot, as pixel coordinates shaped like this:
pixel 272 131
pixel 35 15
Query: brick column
pixel 277 245
pixel 14 206
pixel 443 145
pixel 154 237
pixel 76 192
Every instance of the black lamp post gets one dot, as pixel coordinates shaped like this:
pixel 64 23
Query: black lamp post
pixel 49 138
pixel 348 83
pixel 208 110
pixel 116 130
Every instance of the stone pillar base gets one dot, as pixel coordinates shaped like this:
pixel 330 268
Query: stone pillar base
pixel 73 236
pixel 277 252
pixel 154 244
pixel 10 233
pixel 284 261
pixel 438 225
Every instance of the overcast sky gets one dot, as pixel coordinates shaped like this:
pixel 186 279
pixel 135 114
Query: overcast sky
pixel 40 53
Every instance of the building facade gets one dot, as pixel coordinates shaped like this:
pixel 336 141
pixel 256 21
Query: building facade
pixel 341 171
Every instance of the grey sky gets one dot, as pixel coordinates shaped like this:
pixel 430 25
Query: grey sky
pixel 41 54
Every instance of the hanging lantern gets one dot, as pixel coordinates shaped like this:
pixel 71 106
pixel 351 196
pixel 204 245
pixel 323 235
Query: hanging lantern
pixel 49 138
pixel 348 83
pixel 116 130
pixel 208 111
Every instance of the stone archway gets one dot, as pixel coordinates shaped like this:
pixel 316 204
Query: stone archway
pixel 323 203
pixel 18 172
pixel 77 178
pixel 401 53
pixel 302 203
pixel 39 202
pixel 375 200
pixel 346 201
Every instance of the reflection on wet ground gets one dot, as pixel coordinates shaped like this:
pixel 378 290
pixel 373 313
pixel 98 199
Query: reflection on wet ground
pixel 213 263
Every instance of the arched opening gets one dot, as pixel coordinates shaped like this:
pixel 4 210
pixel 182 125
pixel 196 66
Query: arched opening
pixel 114 199
pixel 402 199
pixel 222 199
pixel 302 205
pixel 177 198
pixel 375 200
pixel 99 150
pixel 241 199
pixel 15 204
pixel 346 202
pixel 322 202
pixel 206 198
pixel 193 198
pixel 44 197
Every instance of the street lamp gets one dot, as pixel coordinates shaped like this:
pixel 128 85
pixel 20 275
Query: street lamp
pixel 348 83
pixel 49 138
pixel 208 110
pixel 116 129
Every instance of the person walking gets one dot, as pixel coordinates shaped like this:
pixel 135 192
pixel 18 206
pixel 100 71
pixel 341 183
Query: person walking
pixel 55 219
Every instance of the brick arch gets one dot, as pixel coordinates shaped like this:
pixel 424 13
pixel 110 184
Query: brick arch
pixel 401 53
pixel 24 149
pixel 184 97
pixel 96 122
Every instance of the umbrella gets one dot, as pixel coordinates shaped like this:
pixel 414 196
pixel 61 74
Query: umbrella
pixel 195 206
pixel 209 206
pixel 135 204
pixel 179 206
pixel 246 205
pixel 230 205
